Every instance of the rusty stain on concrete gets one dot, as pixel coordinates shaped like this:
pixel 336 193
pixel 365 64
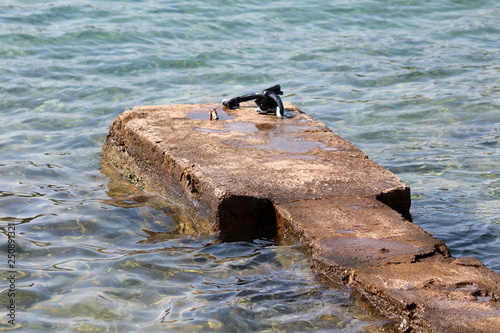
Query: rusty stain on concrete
pixel 250 175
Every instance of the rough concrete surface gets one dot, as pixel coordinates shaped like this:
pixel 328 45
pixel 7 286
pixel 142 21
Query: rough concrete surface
pixel 250 175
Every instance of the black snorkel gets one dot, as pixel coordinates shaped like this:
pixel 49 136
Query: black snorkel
pixel 268 101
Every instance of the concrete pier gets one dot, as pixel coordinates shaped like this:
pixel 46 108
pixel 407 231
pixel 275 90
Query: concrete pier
pixel 248 175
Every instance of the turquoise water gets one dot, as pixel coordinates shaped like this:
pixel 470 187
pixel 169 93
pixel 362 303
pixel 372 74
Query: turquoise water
pixel 414 84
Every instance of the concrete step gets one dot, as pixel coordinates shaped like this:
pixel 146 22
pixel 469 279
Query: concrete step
pixel 248 175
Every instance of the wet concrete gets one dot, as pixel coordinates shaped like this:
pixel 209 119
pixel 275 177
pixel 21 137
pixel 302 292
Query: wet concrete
pixel 249 175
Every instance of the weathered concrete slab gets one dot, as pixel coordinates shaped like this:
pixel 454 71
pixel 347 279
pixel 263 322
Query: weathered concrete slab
pixel 249 175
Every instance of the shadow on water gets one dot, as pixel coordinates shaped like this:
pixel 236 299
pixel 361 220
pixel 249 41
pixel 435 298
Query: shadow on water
pixel 164 218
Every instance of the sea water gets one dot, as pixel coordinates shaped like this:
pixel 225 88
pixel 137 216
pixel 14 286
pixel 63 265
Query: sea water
pixel 414 84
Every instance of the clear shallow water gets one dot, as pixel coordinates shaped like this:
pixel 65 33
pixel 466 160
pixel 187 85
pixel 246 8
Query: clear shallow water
pixel 415 85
